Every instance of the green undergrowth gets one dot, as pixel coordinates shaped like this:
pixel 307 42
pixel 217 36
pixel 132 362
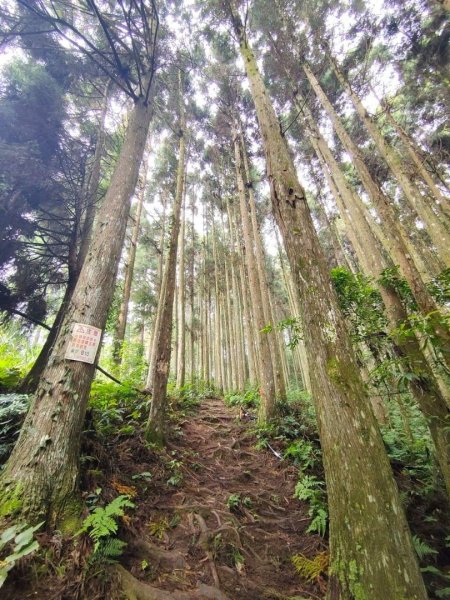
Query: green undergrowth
pixel 294 435
pixel 13 408
pixel 121 410
pixel 16 357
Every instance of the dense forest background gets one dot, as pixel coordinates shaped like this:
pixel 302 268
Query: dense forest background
pixel 248 204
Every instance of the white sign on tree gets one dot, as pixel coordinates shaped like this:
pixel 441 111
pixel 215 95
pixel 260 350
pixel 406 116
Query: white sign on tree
pixel 83 344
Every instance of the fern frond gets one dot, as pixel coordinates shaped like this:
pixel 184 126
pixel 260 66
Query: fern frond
pixel 102 523
pixel 309 569
pixel 109 550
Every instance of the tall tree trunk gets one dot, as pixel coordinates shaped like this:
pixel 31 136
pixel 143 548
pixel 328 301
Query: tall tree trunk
pixel 155 430
pixel 129 270
pixel 366 562
pixel 160 294
pixel 248 344
pixel 218 370
pixel 181 343
pixel 192 294
pixel 43 468
pixel 94 179
pixel 275 352
pixel 266 375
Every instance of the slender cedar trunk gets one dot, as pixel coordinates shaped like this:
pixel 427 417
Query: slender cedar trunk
pixel 228 367
pixel 43 468
pixel 210 344
pixel 266 375
pixel 181 343
pixel 443 204
pixel 173 365
pixel 129 270
pixel 233 341
pixel 380 563
pixel 244 316
pixel 160 292
pixel 206 311
pixel 426 393
pixel 192 294
pixel 157 417
pixel 238 356
pixel 393 238
pixel 437 232
pixel 223 345
pixel 294 307
pixel 218 372
pixel 239 334
pixel 280 384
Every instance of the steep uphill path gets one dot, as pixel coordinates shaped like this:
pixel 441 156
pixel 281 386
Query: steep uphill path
pixel 229 523
pixel 214 519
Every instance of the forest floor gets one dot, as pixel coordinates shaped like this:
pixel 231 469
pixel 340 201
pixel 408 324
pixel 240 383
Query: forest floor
pixel 214 518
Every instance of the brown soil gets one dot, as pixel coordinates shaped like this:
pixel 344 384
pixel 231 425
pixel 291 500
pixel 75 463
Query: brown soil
pixel 186 538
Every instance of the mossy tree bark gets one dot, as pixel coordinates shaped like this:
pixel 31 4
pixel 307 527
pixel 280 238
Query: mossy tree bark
pixel 366 563
pixel 43 467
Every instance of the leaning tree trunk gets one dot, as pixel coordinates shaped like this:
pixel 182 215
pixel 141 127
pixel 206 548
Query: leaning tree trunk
pixel 426 391
pixel 437 232
pixel 42 471
pixel 366 562
pixel 393 238
pixel 155 431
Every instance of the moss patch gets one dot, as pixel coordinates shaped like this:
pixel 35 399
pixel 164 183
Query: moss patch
pixel 11 500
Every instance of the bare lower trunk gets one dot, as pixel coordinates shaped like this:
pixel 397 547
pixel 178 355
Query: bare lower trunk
pixel 275 351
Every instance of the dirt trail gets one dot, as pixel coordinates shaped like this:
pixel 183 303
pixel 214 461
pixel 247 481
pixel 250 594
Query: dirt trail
pixel 230 522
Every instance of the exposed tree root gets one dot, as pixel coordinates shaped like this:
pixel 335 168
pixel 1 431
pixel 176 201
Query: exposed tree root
pixel 138 590
pixel 204 541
